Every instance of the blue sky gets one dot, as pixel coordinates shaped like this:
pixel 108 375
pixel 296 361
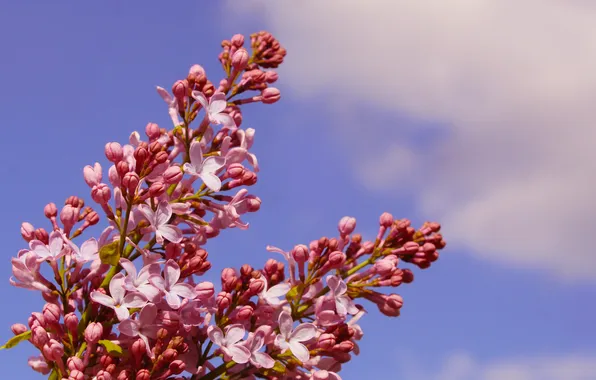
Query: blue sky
pixel 76 76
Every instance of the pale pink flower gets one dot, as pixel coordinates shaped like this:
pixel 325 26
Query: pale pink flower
pixel 204 168
pixel 228 342
pixel 25 268
pixel 215 107
pixel 343 303
pixel 144 326
pixel 159 222
pixel 92 174
pixel 170 286
pixel 229 216
pixel 254 343
pixel 89 250
pixel 117 299
pixel 290 338
pixel 172 105
pixel 52 251
pixel 271 295
pixel 240 153
pixel 324 375
pixel 140 282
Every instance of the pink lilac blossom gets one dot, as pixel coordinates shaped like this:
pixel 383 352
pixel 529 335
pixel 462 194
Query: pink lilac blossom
pixel 136 302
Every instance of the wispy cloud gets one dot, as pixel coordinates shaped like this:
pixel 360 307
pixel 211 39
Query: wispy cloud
pixel 513 86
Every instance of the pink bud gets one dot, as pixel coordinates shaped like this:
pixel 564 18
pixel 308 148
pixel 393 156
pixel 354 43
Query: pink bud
pixel 245 312
pixel 386 220
pixel 156 189
pixel 205 290
pixel 270 95
pixel 180 88
pixel 152 131
pixel 76 375
pixel 53 350
pixel 103 375
pixel 235 170
pixel 392 305
pixel 51 313
pixel 138 349
pixel 172 175
pixel 36 319
pixel 345 346
pixel 256 286
pixel 93 332
pixel 229 277
pixel 38 364
pixel 71 321
pixel 177 366
pixel 113 152
pixel 130 181
pixel 50 210
pixel 92 174
pixel 300 253
pixel 169 354
pixel 101 194
pixel 196 70
pixel 237 40
pixel 326 341
pixel 223 300
pixel 42 235
pixel 69 216
pixel 271 76
pixel 384 267
pixel 240 59
pixel 27 231
pixel 346 225
pixel 141 154
pixel 75 363
pixel 18 328
pixel 336 259
pixel 39 336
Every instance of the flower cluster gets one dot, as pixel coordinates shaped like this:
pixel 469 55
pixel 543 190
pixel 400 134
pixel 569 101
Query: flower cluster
pixel 131 304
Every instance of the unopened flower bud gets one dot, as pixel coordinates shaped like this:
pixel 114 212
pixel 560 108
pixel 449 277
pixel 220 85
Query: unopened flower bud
pixel 93 332
pixel 172 175
pixel 141 154
pixel 346 225
pixel 326 341
pixel 122 168
pixel 42 235
pixel 256 286
pixel 76 375
pixel 71 321
pixel 237 40
pixel 300 253
pixel 271 76
pixel 223 300
pixel 101 194
pixel 27 231
pixel 92 174
pixel 125 374
pixel 345 346
pixel 386 220
pixel 161 157
pixel 235 170
pixel 75 363
pixel 240 59
pixel 270 95
pixel 336 259
pixel 50 210
pixel 130 182
pixel 39 336
pixel 177 367
pixel 205 290
pixel 18 328
pixel 51 313
pixel 68 216
pixel 103 375
pixel 156 189
pixel 152 131
pixel 138 349
pixel 114 152
pixel 53 350
pixel 196 70
pixel 179 89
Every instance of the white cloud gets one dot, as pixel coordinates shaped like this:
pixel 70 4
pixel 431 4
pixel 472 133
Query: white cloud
pixel 462 366
pixel 513 85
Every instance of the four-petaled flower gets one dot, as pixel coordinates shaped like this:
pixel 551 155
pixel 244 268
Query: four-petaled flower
pixel 215 107
pixel 290 339
pixel 172 105
pixel 117 299
pixel 228 341
pixel 240 153
pixel 159 222
pixel 89 250
pixel 170 286
pixel 140 282
pixel 271 295
pixel 343 303
pixel 204 168
pixel 144 326
pixel 254 343
pixel 52 251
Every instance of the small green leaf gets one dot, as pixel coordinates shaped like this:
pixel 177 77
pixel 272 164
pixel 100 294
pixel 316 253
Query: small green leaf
pixel 109 253
pixel 53 375
pixel 279 367
pixel 113 348
pixel 295 292
pixel 16 340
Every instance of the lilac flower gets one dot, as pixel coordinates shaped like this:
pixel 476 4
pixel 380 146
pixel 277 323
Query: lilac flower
pixel 291 339
pixel 170 286
pixel 228 342
pixel 229 216
pixel 140 282
pixel 204 168
pixel 253 344
pixel 25 268
pixel 215 107
pixel 117 299
pixel 172 105
pixel 343 303
pixel 159 222
pixel 52 251
pixel 240 153
pixel 89 250
pixel 271 295
pixel 144 326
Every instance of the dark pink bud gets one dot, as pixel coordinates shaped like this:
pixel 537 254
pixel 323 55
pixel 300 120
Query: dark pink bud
pixel 237 40
pixel 240 59
pixel 113 152
pixel 152 131
pixel 71 321
pixel 300 253
pixel 180 88
pixel 93 332
pixel 270 95
pixel 76 375
pixel 205 290
pixel 53 350
pixel 346 225
pixel 229 277
pixel 271 76
pixel 27 231
pixel 177 367
pixel 249 178
pixel 36 319
pixel 345 346
pixel 130 181
pixel 50 211
pixel 326 341
pixel 101 194
pixel 75 363
pixel 39 336
pixel 18 328
pixel 337 259
pixel 170 355
pixel 125 374
pixel 42 235
pixel 386 220
pixel 235 170
pixel 161 157
pixel 138 349
pixel 141 154
pixel 392 305
pixel 245 312
pixel 103 375
pixel 256 286
pixel 156 189
pixel 172 175
pixel 223 300
pixel 51 313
